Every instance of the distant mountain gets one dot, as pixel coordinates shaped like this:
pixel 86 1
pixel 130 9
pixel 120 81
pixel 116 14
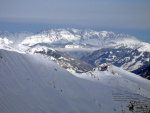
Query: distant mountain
pixel 70 38
pixel 128 58
pixel 73 38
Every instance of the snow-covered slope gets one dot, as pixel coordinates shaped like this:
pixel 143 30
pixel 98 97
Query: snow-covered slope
pixel 33 84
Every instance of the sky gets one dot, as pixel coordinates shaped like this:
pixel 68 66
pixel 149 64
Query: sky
pixel 121 16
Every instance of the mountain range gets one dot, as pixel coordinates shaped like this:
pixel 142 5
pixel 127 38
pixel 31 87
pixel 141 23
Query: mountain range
pixel 63 37
pixel 125 57
pixel 93 47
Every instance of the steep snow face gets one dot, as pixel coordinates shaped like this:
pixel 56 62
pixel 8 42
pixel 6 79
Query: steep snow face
pixel 31 83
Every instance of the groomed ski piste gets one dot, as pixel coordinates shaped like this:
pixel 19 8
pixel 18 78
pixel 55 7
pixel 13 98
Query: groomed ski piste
pixel 30 83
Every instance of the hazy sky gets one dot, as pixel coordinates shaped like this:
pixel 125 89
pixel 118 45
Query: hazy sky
pixel 128 15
